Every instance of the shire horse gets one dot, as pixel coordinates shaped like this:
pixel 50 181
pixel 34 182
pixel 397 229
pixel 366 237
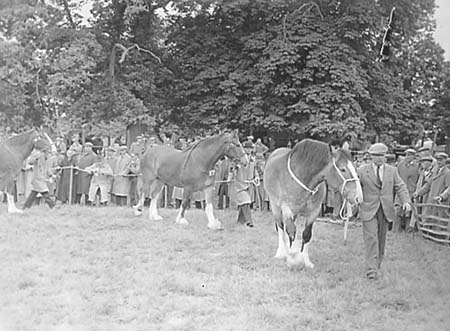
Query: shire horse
pixel 295 182
pixel 192 169
pixel 13 152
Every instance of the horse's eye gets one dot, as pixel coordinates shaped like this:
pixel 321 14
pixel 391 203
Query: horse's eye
pixel 343 170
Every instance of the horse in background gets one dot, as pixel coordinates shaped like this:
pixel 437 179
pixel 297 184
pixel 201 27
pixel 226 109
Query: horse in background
pixel 192 169
pixel 13 152
pixel 295 182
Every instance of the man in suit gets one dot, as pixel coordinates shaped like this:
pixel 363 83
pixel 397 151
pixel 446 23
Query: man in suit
pixel 436 187
pixel 379 181
pixel 408 169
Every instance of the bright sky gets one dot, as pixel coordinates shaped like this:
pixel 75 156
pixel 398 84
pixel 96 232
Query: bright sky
pixel 442 34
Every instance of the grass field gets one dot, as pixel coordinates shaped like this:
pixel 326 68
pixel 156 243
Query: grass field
pixel 79 268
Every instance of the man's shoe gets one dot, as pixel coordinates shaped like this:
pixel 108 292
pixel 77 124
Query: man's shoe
pixel 250 225
pixel 372 275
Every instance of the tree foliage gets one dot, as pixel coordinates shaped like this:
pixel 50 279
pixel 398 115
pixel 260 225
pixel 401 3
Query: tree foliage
pixel 308 68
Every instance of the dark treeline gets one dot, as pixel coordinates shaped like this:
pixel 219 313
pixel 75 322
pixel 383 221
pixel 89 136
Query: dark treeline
pixel 308 68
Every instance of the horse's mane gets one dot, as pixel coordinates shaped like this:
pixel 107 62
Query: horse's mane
pixel 311 155
pixel 19 139
pixel 206 140
pixel 209 139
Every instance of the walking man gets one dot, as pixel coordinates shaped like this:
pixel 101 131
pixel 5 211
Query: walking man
pixel 39 179
pixel 379 182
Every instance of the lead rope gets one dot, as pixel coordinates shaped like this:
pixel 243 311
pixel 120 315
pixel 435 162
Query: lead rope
pixel 345 204
pixel 346 217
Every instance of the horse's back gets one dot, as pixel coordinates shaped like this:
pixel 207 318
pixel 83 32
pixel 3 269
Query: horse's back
pixel 161 162
pixel 10 164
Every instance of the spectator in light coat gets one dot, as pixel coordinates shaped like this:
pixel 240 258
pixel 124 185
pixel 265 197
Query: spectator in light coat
pixel 121 187
pixel 102 174
pixel 39 179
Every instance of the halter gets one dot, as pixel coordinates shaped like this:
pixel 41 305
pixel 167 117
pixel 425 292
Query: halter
pixel 345 180
pixel 314 191
pixel 298 181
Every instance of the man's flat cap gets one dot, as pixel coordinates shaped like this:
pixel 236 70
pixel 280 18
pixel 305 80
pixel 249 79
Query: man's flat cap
pixel 378 149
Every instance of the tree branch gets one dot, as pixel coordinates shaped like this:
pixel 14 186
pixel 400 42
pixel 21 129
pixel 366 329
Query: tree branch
pixel 69 15
pixel 37 82
pixel 310 4
pixel 139 48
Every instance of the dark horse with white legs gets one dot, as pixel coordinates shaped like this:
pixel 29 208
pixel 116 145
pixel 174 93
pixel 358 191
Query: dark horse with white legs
pixel 295 182
pixel 13 152
pixel 192 169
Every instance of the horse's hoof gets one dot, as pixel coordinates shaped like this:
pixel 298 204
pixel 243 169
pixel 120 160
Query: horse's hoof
pixel 280 256
pixel 156 218
pixel 309 265
pixel 15 211
pixel 295 261
pixel 137 211
pixel 215 226
pixel 182 221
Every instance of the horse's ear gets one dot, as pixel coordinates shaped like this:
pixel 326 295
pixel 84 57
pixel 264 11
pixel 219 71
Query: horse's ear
pixel 236 133
pixel 333 150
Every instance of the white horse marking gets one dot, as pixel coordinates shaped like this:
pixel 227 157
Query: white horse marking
pixel 12 209
pixel 213 222
pixel 153 211
pixel 52 144
pixel 282 249
pixel 305 253
pixel 181 220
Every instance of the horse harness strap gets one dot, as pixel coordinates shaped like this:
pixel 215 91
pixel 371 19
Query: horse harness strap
pixel 298 181
pixel 345 180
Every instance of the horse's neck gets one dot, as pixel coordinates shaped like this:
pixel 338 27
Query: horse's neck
pixel 210 154
pixel 316 178
pixel 20 148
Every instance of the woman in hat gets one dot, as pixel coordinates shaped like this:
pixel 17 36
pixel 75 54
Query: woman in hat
pixel 121 186
pixel 243 188
pixel 102 174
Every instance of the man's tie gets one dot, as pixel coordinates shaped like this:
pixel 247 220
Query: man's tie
pixel 379 176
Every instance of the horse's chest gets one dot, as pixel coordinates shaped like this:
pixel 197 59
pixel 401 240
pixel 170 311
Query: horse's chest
pixel 304 203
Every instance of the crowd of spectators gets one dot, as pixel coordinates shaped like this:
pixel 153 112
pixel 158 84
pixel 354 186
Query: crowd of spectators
pixel 90 173
pixel 95 174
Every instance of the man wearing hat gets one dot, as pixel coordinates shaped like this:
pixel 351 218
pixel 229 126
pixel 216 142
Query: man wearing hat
pixel 425 175
pixel 426 150
pixel 437 187
pixel 87 159
pixel 379 182
pixel 408 169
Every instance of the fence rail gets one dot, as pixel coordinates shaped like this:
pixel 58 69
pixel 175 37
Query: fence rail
pixel 433 221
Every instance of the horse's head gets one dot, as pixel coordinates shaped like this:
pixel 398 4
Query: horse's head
pixel 42 142
pixel 343 177
pixel 234 150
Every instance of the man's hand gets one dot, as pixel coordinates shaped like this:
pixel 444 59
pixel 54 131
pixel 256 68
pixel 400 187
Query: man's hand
pixel 406 207
pixel 437 199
